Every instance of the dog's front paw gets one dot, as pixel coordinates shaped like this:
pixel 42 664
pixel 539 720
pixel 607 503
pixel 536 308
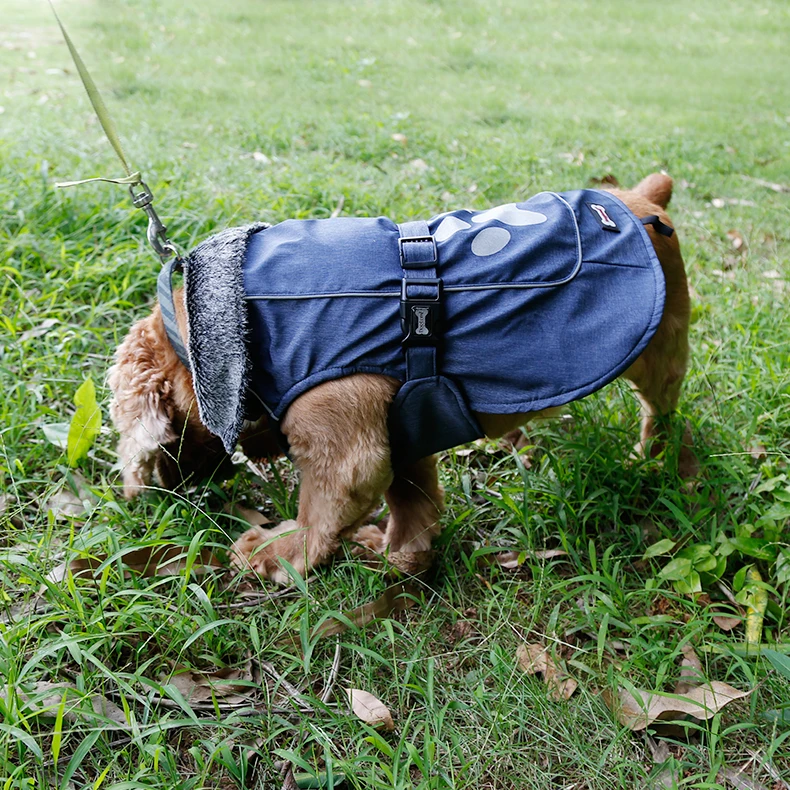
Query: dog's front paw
pixel 256 550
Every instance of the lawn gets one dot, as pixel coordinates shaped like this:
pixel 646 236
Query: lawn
pixel 404 108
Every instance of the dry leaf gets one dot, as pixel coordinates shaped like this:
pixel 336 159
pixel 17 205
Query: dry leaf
pixel 702 702
pixel 46 697
pixel 534 659
pixel 39 330
pixel 691 673
pixel 739 779
pixel 726 623
pixel 370 709
pixel 666 777
pixel 65 504
pixel 223 685
pixel 758 452
pixel 164 559
pixel 735 238
pixel 253 517
pixel 394 599
pixel 399 138
pixel 514 559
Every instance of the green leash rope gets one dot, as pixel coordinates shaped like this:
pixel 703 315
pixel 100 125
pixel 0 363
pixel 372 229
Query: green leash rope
pixel 142 197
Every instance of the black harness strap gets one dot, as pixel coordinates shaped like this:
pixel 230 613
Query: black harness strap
pixel 421 299
pixel 426 397
pixel 659 226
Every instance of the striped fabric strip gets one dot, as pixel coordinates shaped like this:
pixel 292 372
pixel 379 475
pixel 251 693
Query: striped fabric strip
pixel 164 288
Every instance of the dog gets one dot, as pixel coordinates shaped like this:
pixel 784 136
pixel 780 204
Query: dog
pixel 357 430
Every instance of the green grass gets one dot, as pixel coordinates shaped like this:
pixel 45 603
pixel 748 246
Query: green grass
pixel 499 101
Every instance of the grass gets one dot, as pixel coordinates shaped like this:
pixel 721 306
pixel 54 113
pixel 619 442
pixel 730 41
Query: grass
pixel 496 101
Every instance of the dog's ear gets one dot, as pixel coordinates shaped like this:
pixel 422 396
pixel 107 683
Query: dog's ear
pixel 657 188
pixel 142 408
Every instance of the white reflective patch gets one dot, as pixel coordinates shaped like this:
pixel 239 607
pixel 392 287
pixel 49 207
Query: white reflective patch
pixel 448 227
pixel 510 214
pixel 490 241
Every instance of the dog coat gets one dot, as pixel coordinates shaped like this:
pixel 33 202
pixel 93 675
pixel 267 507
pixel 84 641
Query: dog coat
pixel 515 309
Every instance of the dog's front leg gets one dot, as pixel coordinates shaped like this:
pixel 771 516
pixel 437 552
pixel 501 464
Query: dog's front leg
pixel 338 437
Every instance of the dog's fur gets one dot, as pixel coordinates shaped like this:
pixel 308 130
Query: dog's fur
pixel 338 431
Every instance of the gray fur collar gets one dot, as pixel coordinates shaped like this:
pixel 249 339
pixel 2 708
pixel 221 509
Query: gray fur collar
pixel 217 322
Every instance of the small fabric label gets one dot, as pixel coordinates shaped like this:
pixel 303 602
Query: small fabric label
pixel 600 213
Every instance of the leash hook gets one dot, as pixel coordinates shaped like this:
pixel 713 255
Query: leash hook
pixel 143 198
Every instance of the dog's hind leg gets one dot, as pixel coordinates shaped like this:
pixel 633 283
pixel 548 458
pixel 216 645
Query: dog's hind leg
pixel 338 439
pixel 416 502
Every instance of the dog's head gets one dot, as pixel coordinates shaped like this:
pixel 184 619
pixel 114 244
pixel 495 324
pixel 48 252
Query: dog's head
pixel 155 411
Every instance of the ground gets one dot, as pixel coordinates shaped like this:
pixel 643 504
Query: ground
pixel 404 108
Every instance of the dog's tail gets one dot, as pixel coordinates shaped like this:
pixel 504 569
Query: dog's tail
pixel 657 188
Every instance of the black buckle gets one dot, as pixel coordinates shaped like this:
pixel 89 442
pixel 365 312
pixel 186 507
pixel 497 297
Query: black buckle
pixel 420 317
pixel 421 263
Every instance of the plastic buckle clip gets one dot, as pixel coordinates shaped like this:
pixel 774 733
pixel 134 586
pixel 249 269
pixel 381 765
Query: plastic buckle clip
pixel 420 316
pixel 420 262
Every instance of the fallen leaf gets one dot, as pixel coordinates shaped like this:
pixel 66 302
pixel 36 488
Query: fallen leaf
pixel 399 138
pixel 670 774
pixel 534 659
pixel 45 698
pixel 691 673
pixel 758 452
pixel 65 504
pixel 739 779
pixel 514 559
pixel 253 517
pixel 232 687
pixel 394 599
pixel 726 622
pixel 735 238
pixel 163 559
pixel 370 709
pixel 10 510
pixel 639 712
pixel 40 330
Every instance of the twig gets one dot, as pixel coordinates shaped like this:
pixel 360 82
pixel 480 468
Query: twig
pixel 256 598
pixel 767 184
pixel 338 208
pixel 768 767
pixel 330 683
pixel 292 691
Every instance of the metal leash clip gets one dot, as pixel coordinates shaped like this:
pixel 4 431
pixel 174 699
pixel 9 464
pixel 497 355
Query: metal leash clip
pixel 143 198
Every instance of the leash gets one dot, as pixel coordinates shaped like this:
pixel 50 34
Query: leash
pixel 142 197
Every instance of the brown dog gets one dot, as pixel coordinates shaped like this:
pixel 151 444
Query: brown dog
pixel 338 430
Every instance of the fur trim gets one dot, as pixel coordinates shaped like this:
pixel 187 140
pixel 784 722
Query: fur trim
pixel 217 323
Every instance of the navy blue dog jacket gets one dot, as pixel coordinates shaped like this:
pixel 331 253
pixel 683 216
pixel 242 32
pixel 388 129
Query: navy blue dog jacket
pixel 510 310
